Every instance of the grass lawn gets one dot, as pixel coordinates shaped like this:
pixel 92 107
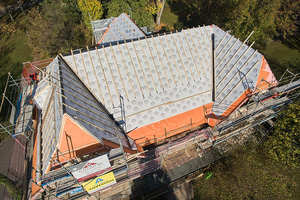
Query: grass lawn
pixel 246 174
pixel 16 52
pixel 168 17
pixel 280 57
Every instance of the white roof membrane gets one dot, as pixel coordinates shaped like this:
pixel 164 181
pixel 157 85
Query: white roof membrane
pixel 116 29
pixel 158 77
pixel 237 67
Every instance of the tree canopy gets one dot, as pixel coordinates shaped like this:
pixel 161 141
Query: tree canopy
pixel 137 9
pixel 56 27
pixel 91 10
pixel 268 18
pixel 284 143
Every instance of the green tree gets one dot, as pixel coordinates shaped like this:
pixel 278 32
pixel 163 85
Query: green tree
pixel 253 15
pixel 137 9
pixel 265 17
pixel 56 27
pixel 116 7
pixel 286 20
pixel 91 10
pixel 284 144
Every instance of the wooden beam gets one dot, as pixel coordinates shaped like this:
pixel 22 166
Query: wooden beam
pixel 184 69
pixel 222 40
pixel 234 54
pixel 157 72
pixel 83 102
pixel 159 57
pixel 130 82
pixel 241 79
pixel 153 82
pixel 136 76
pixel 98 83
pixel 103 72
pixel 239 69
pixel 75 63
pixel 118 67
pixel 73 96
pixel 185 54
pixel 88 116
pixel 170 68
pixel 67 86
pixel 192 39
pixel 84 67
pixel 234 64
pixel 145 78
pixel 226 53
pixel 184 36
pixel 113 79
pixel 224 46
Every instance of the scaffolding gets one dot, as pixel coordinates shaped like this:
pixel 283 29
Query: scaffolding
pixel 260 107
pixel 16 109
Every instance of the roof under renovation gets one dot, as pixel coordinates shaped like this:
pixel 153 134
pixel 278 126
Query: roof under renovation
pixel 64 100
pixel 115 29
pixel 168 81
pixel 135 92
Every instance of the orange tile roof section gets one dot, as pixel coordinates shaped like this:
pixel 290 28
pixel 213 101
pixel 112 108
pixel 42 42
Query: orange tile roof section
pixel 266 77
pixel 74 138
pixel 169 127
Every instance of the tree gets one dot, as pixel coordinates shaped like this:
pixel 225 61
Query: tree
pixel 253 15
pixel 156 9
pixel 137 9
pixel 286 20
pixel 284 144
pixel 91 10
pixel 265 17
pixel 55 28
pixel 116 7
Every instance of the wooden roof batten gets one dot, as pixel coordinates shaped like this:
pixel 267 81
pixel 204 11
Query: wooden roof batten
pixel 158 58
pixel 235 63
pixel 153 82
pixel 182 64
pixel 245 75
pixel 111 73
pixel 154 64
pixel 130 82
pixel 97 81
pixel 135 73
pixel 191 52
pixel 169 67
pixel 103 72
pixel 172 61
pixel 118 68
pixel 141 66
pixel 185 54
pixel 224 66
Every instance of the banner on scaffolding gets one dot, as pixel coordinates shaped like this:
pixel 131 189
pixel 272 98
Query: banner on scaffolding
pixel 91 168
pixel 99 183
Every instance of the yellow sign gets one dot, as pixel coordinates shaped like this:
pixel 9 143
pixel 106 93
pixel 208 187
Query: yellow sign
pixel 99 183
